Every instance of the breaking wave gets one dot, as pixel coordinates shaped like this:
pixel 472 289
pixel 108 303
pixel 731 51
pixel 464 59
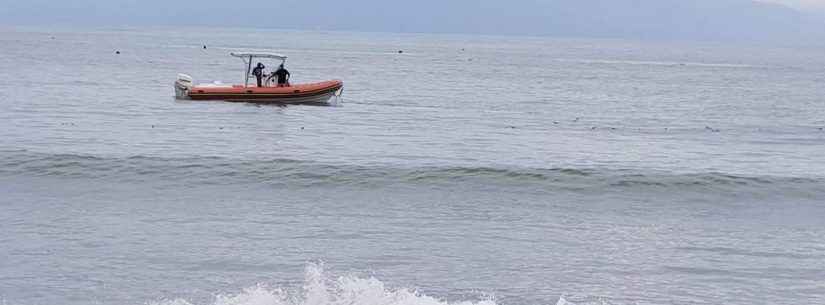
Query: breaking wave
pixel 288 172
pixel 321 289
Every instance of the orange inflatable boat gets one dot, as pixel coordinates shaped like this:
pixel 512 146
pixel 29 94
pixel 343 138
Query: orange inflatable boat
pixel 269 92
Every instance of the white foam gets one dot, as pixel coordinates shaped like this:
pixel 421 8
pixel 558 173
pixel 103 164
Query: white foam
pixel 319 289
pixel 563 301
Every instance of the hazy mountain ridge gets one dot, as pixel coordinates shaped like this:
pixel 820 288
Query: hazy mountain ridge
pixel 645 19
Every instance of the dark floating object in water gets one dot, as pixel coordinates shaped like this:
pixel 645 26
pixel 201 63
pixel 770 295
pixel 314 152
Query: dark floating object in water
pixel 204 47
pixel 708 128
pixel 400 51
pixel 117 52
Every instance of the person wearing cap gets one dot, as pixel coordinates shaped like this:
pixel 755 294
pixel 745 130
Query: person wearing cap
pixel 259 73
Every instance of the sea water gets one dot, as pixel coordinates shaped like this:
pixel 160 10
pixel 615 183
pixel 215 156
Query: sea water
pixel 464 170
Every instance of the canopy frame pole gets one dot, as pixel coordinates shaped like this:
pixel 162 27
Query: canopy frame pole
pixel 248 70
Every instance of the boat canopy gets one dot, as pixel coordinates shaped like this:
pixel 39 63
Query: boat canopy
pixel 248 57
pixel 258 55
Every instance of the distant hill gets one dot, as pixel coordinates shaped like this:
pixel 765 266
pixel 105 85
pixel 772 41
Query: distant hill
pixel 645 19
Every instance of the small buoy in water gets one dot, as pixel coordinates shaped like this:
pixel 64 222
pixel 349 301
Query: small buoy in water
pixel 400 51
pixel 204 47
pixel 117 52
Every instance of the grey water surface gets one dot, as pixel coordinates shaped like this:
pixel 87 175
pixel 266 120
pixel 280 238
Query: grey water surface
pixel 467 169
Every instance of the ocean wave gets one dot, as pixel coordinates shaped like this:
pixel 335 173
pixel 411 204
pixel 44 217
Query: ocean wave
pixel 216 170
pixel 321 289
pixel 658 63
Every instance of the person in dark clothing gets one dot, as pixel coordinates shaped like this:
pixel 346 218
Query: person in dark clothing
pixel 283 76
pixel 259 73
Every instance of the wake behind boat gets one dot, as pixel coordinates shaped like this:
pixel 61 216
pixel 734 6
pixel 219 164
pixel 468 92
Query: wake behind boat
pixel 270 88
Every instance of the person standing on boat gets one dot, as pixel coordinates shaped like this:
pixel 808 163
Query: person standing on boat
pixel 283 76
pixel 259 73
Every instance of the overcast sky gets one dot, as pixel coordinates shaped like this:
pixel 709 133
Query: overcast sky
pixel 642 19
pixel 813 5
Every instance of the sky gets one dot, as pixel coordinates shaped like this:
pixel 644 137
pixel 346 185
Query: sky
pixel 817 6
pixel 766 20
